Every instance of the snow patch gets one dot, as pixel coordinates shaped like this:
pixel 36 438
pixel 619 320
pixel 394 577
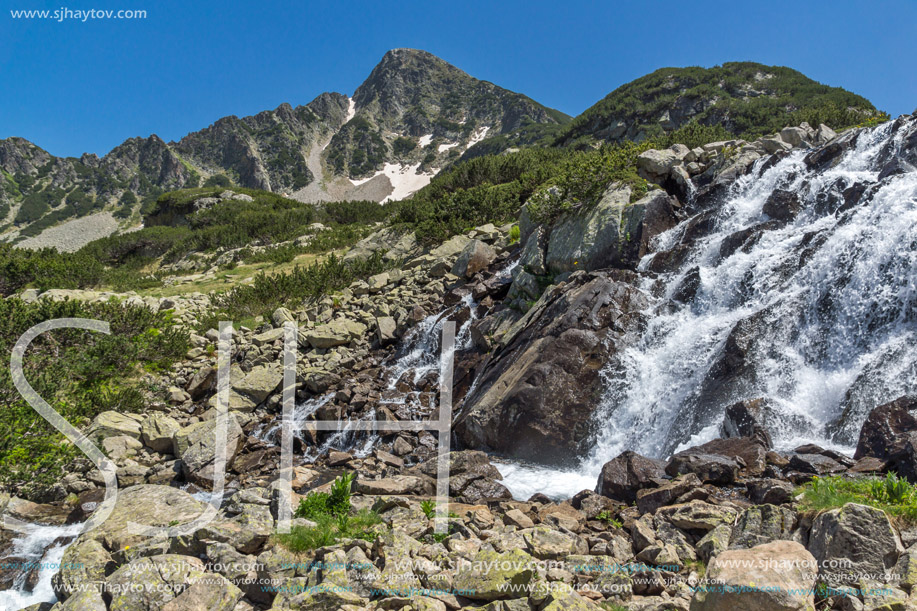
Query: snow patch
pixel 405 180
pixel 479 134
pixel 351 110
pixel 426 140
pixel 446 147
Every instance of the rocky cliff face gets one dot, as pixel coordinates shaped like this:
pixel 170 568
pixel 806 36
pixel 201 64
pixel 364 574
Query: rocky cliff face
pixel 421 110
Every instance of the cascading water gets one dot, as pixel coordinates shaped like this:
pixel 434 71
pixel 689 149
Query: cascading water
pixel 819 312
pixel 42 547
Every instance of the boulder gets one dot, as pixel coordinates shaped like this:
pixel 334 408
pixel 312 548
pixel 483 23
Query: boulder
pixel 854 541
pixel 196 446
pixel 769 491
pixel 794 136
pixel 651 499
pixel 655 164
pixel 157 431
pixel 476 256
pixel 710 468
pixel 763 524
pixel 824 134
pixel 782 205
pixel 121 447
pixel 336 333
pixel 317 379
pixel 750 452
pixel 777 576
pixel 202 382
pixel 886 428
pixel 112 424
pixel 282 315
pixel 93 555
pixel 548 544
pixel 697 515
pixel 628 473
pixel 593 237
pixel 714 542
pixel 746 419
pixel 815 464
pixel 397 485
pixel 535 396
pixel 170 582
pixel 491 575
pixel 386 330
pixel 259 383
pixel 268 337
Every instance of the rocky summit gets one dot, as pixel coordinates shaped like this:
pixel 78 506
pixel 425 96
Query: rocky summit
pixel 674 372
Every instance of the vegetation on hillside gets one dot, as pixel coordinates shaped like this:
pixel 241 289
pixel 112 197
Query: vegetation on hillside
pixel 746 98
pixel 79 373
pixel 123 261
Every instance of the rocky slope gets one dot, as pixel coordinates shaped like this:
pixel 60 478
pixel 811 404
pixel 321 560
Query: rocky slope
pixel 694 504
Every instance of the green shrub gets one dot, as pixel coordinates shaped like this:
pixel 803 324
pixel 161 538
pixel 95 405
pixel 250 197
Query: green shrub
pixel 80 373
pixel 429 508
pixel 329 529
pixel 339 497
pixel 268 292
pixel 218 180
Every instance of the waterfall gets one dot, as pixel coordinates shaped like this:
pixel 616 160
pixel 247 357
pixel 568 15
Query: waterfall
pixel 825 301
pixel 43 546
pixel 816 312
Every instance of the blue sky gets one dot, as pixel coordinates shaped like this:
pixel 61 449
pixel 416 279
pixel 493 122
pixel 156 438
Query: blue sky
pixel 72 87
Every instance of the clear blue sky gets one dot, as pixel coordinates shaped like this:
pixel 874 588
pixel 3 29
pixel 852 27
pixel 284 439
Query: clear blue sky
pixel 73 87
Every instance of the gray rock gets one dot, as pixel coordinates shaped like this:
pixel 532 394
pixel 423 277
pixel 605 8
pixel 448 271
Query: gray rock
pixel 747 419
pixel 590 238
pixel 852 541
pixel 815 464
pixel 655 164
pixel 763 524
pixel 157 431
pixel 794 136
pixel 710 468
pixel 386 330
pixel 781 572
pixel 111 424
pixel 196 446
pixel 628 473
pixel 259 383
pixel 475 257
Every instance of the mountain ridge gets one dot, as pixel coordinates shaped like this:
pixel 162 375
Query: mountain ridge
pixel 414 115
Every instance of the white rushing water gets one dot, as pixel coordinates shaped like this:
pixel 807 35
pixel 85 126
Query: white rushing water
pixel 37 546
pixel 830 299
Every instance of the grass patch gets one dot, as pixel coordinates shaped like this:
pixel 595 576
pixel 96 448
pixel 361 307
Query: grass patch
pixel 892 494
pixel 333 517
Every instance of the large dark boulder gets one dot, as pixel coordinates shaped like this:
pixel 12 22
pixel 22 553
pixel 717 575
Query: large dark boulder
pixel 710 468
pixel 884 433
pixel 538 390
pixel 627 473
pixel 746 419
pixel 750 450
